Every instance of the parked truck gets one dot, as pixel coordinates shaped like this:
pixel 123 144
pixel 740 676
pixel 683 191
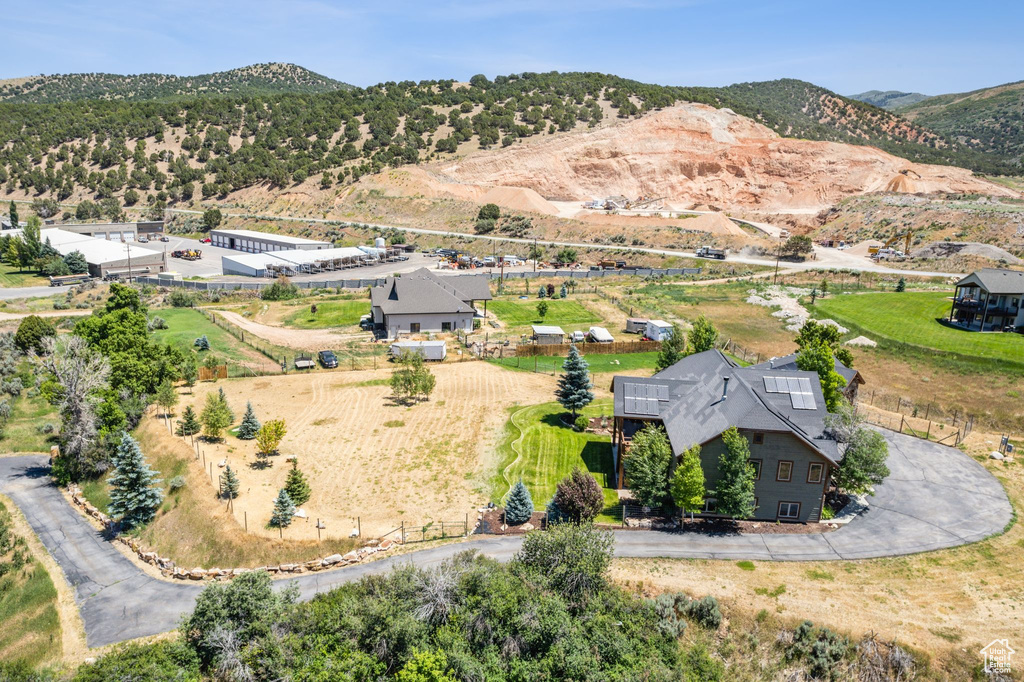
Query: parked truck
pixel 66 280
pixel 709 252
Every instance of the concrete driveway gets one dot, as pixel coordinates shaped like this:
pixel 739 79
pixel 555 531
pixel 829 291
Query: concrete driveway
pixel 936 497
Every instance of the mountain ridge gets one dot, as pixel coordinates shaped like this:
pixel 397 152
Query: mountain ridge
pixel 266 78
pixel 889 99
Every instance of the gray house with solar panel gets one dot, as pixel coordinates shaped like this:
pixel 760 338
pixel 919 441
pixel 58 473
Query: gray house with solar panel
pixel 780 412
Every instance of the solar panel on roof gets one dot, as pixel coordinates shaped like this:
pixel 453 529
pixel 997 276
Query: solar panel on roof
pixel 805 385
pixel 802 401
pixel 662 392
pixel 631 405
pixel 794 384
pixel 770 385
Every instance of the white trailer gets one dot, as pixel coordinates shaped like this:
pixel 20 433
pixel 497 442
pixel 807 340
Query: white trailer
pixel 600 335
pixel 658 330
pixel 430 350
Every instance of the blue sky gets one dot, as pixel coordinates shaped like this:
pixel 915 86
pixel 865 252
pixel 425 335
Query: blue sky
pixel 931 47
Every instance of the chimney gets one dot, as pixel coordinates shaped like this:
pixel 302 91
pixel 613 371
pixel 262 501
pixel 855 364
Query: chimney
pixel 725 387
pixel 771 363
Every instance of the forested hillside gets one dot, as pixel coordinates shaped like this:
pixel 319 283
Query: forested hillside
pixel 889 99
pixel 167 150
pixel 990 120
pixel 255 79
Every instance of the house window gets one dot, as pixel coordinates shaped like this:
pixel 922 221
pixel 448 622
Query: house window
pixel 785 472
pixel 815 471
pixel 710 506
pixel 414 327
pixel 756 463
pixel 446 326
pixel 789 510
pixel 758 439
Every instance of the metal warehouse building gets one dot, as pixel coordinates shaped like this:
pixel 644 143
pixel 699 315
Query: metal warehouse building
pixel 260 242
pixel 117 231
pixel 106 257
pixel 295 261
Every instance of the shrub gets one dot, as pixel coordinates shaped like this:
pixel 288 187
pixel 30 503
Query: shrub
pixel 157 322
pixel 179 298
pixel 176 483
pixel 705 612
pixel 578 496
pixel 281 290
pixel 202 343
pixel 31 332
pixel 581 423
pixel 489 212
pixel 573 559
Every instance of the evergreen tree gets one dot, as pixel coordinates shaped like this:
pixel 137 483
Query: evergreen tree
pixel 574 385
pixel 901 285
pixel 687 487
pixel 134 495
pixel 229 483
pixel 202 343
pixel 673 349
pixel 542 292
pixel 14 215
pixel 296 484
pixel 565 291
pixel 284 510
pixel 224 399
pixel 735 488
pixel 519 505
pixel 189 423
pixel 76 262
pixel 703 336
pixel 250 425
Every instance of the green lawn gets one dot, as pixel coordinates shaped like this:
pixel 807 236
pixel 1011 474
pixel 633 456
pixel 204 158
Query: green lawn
pixel 10 277
pixel 523 313
pixel 328 314
pixel 912 318
pixel 536 447
pixel 185 325
pixel 599 364
pixel 22 432
pixel 30 629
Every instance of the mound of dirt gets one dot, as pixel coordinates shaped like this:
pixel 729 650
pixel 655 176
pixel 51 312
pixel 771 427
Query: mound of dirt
pixel 950 249
pixel 712 223
pixel 861 249
pixel 692 154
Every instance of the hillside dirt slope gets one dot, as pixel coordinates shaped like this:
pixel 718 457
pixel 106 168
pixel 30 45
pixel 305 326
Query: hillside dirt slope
pixel 698 155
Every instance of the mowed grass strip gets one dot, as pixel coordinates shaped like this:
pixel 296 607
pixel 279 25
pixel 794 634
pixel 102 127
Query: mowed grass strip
pixel 524 313
pixel 912 318
pixel 599 364
pixel 185 325
pixel 28 610
pixel 11 277
pixel 328 314
pixel 536 447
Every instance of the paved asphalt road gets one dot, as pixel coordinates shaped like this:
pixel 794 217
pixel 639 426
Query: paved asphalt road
pixel 935 497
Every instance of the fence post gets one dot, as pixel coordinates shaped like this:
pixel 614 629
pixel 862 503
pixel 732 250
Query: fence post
pixel 929 433
pixel 403 532
pixel 901 422
pixel 359 527
pixel 245 516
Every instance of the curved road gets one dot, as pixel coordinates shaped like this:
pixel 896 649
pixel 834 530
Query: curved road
pixel 935 497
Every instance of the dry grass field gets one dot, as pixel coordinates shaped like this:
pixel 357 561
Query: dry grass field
pixel 366 457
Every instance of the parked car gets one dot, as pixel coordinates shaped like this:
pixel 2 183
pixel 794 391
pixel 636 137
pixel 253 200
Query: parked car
pixel 578 337
pixel 143 240
pixel 205 240
pixel 328 359
pixel 165 238
pixel 366 322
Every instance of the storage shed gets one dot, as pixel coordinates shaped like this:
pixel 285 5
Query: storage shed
pixel 600 335
pixel 636 325
pixel 658 330
pixel 546 335
pixel 430 350
pixel 251 241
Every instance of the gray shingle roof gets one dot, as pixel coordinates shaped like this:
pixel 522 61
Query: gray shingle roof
pixel 421 291
pixel 787 363
pixel 704 394
pixel 996 280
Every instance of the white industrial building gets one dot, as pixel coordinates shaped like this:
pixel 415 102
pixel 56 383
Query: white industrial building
pixel 295 261
pixel 106 257
pixel 250 241
pixel 117 231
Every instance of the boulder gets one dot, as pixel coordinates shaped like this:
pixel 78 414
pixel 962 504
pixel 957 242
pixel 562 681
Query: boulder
pixel 196 574
pixel 288 568
pixel 333 559
pixel 996 455
pixel 386 544
pixel 351 556
pixel 150 557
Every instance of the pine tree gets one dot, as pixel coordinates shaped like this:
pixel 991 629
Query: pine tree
pixel 574 385
pixel 542 292
pixel 202 343
pixel 224 399
pixel 519 505
pixel 14 216
pixel 296 484
pixel 673 349
pixel 284 510
pixel 901 285
pixel 250 425
pixel 189 423
pixel 134 494
pixel 229 483
pixel 565 291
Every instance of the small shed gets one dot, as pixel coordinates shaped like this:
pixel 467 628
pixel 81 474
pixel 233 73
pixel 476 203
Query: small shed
pixel 600 335
pixel 430 350
pixel 658 330
pixel 546 335
pixel 636 325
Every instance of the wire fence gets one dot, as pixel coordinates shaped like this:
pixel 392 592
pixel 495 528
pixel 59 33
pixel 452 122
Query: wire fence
pixel 435 530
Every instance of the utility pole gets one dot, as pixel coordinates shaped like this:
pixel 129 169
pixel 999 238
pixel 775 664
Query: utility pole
pixel 778 254
pixel 535 255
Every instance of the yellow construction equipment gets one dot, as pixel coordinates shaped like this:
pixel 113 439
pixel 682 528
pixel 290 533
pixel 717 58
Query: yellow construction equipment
pixel 873 250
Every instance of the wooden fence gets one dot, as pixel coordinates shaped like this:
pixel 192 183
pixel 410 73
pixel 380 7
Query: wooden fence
pixel 561 349
pixel 213 373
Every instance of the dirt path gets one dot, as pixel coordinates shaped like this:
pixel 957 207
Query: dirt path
pixel 10 317
pixel 299 339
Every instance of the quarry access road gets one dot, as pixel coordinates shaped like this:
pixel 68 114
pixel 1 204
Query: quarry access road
pixel 934 498
pixel 825 259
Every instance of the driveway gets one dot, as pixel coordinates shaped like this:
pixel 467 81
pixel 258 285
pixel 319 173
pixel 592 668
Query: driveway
pixel 936 497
